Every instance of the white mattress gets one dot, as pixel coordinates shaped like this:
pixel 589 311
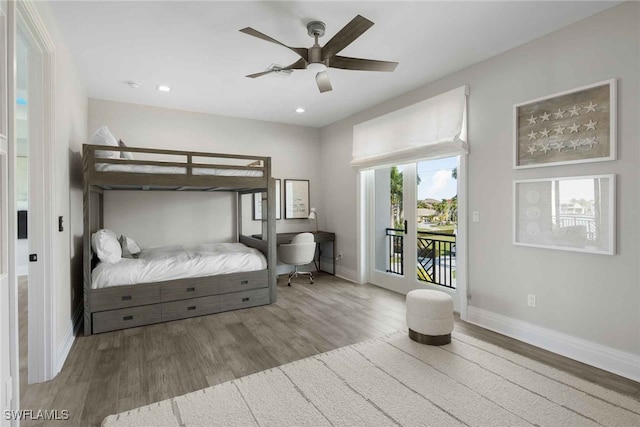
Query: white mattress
pixel 174 170
pixel 177 262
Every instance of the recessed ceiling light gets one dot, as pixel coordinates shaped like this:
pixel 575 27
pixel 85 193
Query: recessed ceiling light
pixel 133 85
pixel 163 88
pixel 300 110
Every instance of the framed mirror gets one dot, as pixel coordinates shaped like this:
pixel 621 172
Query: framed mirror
pixel 296 198
pixel 257 204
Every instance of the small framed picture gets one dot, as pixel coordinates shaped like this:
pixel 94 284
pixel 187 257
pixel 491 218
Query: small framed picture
pixel 575 126
pixel 296 198
pixel 571 214
pixel 257 204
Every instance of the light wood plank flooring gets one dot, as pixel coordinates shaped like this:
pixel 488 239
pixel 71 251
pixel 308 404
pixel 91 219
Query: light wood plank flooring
pixel 121 370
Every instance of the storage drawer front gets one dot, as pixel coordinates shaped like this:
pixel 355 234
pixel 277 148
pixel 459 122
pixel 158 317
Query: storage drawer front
pixel 190 308
pixel 194 288
pixel 124 296
pixel 236 300
pixel 125 318
pixel 243 281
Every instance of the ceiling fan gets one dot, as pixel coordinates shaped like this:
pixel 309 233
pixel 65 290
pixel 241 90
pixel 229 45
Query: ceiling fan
pixel 317 58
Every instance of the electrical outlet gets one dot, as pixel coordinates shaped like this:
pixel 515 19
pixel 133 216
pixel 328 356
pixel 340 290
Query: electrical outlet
pixel 340 255
pixel 475 216
pixel 531 300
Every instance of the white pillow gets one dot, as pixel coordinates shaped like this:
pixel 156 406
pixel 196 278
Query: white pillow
pixel 130 249
pixel 105 244
pixel 104 137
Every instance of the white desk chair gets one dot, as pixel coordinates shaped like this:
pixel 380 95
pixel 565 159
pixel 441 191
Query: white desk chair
pixel 301 251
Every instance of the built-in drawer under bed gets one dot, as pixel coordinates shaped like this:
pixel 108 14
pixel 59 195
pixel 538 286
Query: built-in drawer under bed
pixel 136 305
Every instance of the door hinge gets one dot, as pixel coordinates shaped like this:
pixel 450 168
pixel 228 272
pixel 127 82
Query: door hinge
pixel 405 226
pixel 33 257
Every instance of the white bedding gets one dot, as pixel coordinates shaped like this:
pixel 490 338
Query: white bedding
pixel 174 170
pixel 177 262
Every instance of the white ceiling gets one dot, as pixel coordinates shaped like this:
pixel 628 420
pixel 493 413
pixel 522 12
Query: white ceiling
pixel 196 48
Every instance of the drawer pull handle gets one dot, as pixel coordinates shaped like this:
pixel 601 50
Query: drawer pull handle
pixel 193 307
pixel 126 298
pixel 245 299
pixel 191 289
pixel 244 282
pixel 127 318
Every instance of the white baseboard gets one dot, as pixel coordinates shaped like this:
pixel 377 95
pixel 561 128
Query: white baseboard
pixel 618 362
pixel 69 338
pixel 347 274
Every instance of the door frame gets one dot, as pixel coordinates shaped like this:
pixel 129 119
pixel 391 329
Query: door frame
pixel 42 303
pixel 365 227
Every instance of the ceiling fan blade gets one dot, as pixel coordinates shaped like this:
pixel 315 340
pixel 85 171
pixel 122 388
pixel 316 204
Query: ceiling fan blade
pixel 322 79
pixel 302 52
pixel 300 64
pixel 346 36
pixel 264 73
pixel 347 63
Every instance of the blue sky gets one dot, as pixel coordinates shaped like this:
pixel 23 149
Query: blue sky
pixel 436 182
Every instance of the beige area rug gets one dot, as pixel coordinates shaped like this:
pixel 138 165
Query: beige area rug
pixel 395 381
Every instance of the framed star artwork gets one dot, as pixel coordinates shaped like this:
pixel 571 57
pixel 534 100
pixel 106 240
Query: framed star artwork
pixel 570 214
pixel 575 126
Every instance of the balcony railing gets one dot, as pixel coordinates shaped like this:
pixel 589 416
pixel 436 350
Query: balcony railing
pixel 395 238
pixel 436 256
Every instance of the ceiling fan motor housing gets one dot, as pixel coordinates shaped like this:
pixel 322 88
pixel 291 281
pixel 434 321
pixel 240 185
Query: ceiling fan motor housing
pixel 316 28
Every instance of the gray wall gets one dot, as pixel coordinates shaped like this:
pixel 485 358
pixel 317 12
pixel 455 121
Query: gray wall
pixel 184 218
pixel 593 297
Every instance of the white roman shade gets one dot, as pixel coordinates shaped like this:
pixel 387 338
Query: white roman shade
pixel 435 127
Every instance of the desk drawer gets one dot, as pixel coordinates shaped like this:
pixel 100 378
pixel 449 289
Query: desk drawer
pixel 188 288
pixel 236 300
pixel 124 296
pixel 243 281
pixel 112 320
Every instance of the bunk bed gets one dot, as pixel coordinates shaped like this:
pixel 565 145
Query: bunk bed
pixel 120 307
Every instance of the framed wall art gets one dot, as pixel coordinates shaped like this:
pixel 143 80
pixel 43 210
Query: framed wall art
pixel 257 204
pixel 575 126
pixel 571 214
pixel 296 198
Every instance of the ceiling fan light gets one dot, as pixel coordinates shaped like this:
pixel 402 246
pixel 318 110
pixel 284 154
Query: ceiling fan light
pixel 317 67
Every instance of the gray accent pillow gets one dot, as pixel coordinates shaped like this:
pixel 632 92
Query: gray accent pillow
pixel 124 154
pixel 130 248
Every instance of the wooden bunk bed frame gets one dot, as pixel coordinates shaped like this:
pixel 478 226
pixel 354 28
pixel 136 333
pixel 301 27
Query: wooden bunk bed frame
pixel 122 307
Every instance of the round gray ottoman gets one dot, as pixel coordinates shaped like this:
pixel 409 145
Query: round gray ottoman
pixel 430 316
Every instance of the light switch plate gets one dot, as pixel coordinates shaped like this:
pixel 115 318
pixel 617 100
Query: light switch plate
pixel 475 216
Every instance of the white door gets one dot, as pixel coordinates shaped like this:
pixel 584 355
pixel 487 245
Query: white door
pixel 391 225
pixel 5 282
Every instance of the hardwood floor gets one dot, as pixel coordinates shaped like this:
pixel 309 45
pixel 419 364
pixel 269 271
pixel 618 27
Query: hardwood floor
pixel 121 370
